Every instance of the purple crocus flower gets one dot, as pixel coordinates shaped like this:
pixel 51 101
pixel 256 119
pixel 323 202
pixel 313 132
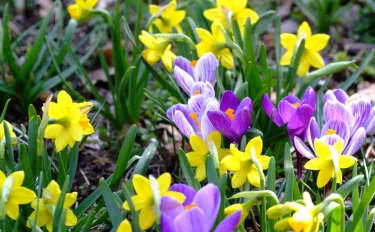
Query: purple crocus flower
pixel 197 215
pixel 188 74
pixel 292 111
pixel 370 122
pixel 233 117
pixel 332 131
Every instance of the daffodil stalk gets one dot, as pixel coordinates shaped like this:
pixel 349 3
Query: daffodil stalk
pixel 214 153
pixel 42 127
pixel 155 188
pixel 105 14
pixel 2 156
pixel 176 38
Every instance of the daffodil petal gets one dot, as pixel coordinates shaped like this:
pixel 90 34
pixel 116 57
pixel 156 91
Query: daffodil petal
pixel 226 58
pixel 305 29
pixel 239 178
pixel 200 172
pixel 346 161
pixel 21 195
pixel 18 178
pixel 321 149
pixel 124 226
pixel 180 197
pixel 286 58
pixel 142 185
pixel 71 218
pixel 325 175
pixel 315 59
pixel 146 218
pixel 255 143
pixel 288 41
pixel 70 199
pixel 254 178
pixel 317 42
pixel 231 163
pixel 164 182
pixel 317 164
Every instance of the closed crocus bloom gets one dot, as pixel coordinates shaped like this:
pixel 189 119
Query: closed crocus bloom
pixel 47 205
pixel 169 17
pixel 82 9
pixel 305 216
pixel 124 226
pixel 227 11
pixel 69 121
pixel 157 48
pixel 197 158
pixel 214 42
pixel 329 161
pixel 313 45
pixel 13 194
pixel 144 201
pixel 242 166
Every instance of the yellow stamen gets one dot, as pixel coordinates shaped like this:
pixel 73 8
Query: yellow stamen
pixel 197 92
pixel 193 63
pixel 331 132
pixel 230 114
pixel 194 116
pixel 296 105
pixel 189 207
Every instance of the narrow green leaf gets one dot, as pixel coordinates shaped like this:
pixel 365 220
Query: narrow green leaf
pixel 89 220
pixel 212 175
pixel 187 170
pixel 346 188
pixel 57 217
pixel 289 174
pixel 109 199
pixel 144 163
pixel 73 162
pixel 26 167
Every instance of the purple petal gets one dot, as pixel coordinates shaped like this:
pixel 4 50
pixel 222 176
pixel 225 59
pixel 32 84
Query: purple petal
pixel 338 127
pixel 360 107
pixel 229 223
pixel 240 123
pixel 186 126
pixel 206 125
pixel 302 148
pixel 312 132
pixel 271 110
pixel 355 142
pixel 229 100
pixel 221 122
pixel 370 123
pixel 188 191
pixel 196 102
pixel 170 207
pixel 197 88
pixel 208 90
pixel 205 70
pixel 208 200
pixel 337 110
pixel 340 95
pixel 301 117
pixel 309 97
pixel 184 80
pixel 192 220
pixel 166 224
pixel 246 102
pixel 286 110
pixel 291 99
pixel 185 65
pixel 330 139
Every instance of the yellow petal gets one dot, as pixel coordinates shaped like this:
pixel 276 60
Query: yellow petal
pixel 49 225
pixel 213 14
pixel 315 59
pixel 142 185
pixel 2 178
pixel 85 107
pixel 231 163
pixel 70 199
pixel 239 178
pixel 64 99
pixel 146 218
pixel 53 131
pixel 303 67
pixel 62 140
pixel 91 3
pixel 198 144
pixel 176 195
pixel 278 211
pixel 325 175
pixel 226 58
pixel 18 178
pixel 339 146
pixel 54 189
pixel 321 149
pixel 178 16
pixel 196 158
pixel 54 110
pixel 317 42
pixel 71 218
pixel 203 48
pixel 75 132
pixel 317 164
pixel 75 11
pixel 286 58
pixel 238 5
pixel 200 172
pixel 147 39
pixel 232 208
pixel 243 15
pixel 21 195
pixel 255 143
pixel 139 202
pixel 204 35
pixel 300 220
pixel 164 182
pixel 237 153
pixel 153 9
pixel 288 41
pixel 43 218
pixel 339 176
pixel 346 161
pixel 12 209
pixel 167 58
pixel 264 161
pixel 253 177
pixel 305 29
pixel 283 224
pixel 124 226
pixel 215 137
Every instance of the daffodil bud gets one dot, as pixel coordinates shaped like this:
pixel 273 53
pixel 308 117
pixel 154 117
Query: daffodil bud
pixel 329 69
pixel 278 211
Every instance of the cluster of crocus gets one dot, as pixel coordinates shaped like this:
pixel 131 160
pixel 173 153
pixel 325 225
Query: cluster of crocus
pixel 313 45
pixel 47 204
pixel 68 121
pixel 81 9
pixel 198 212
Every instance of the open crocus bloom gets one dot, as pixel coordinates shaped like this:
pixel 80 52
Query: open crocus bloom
pixel 233 117
pixel 332 131
pixel 292 111
pixel 198 213
pixel 191 121
pixel 355 110
pixel 189 73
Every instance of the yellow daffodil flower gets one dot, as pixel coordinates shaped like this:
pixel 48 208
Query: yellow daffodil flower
pixel 242 166
pixel 13 194
pixel 197 158
pixel 2 133
pixel 47 205
pixel 305 217
pixel 214 42
pixel 124 226
pixel 313 45
pixel 81 9
pixel 169 17
pixel 158 48
pixel 329 161
pixel 70 121
pixel 144 201
pixel 227 11
pixel 244 207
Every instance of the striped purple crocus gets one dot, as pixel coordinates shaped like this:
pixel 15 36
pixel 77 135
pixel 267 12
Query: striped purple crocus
pixel 198 213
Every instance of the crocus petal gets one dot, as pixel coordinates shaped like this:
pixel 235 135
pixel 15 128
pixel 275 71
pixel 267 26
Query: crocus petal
pixel 208 90
pixel 208 200
pixel 337 110
pixel 312 132
pixel 229 223
pixel 188 191
pixel 229 101
pixel 185 65
pixel 241 123
pixel 309 97
pixel 340 95
pixel 302 148
pixel 245 103
pixel 206 125
pixel 360 107
pixel 190 221
pixel 271 110
pixel 170 207
pixel 286 110
pixel 184 80
pixel 301 118
pixel 370 123
pixel 184 124
pixel 166 224
pixel 196 102
pixel 221 122
pixel 197 88
pixel 205 69
pixel 355 142
pixel 338 127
